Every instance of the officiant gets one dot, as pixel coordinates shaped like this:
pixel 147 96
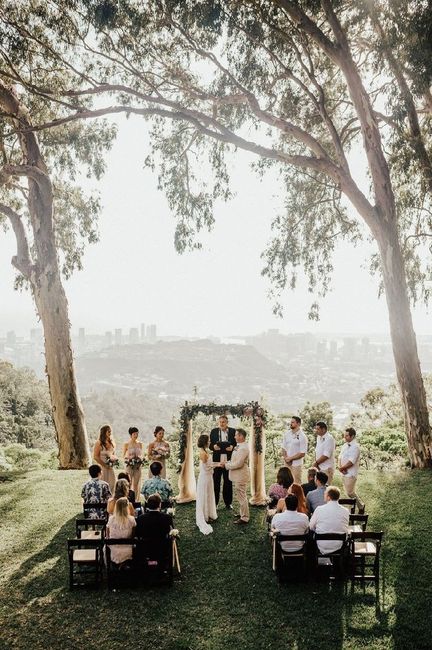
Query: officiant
pixel 222 442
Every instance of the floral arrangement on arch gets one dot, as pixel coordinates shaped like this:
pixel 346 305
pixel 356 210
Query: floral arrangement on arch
pixel 243 411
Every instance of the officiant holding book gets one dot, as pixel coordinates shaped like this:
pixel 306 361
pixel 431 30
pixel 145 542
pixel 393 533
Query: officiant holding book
pixel 222 442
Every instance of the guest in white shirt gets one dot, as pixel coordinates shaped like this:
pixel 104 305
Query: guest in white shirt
pixel 349 461
pixel 291 522
pixel 330 518
pixel 294 448
pixel 324 450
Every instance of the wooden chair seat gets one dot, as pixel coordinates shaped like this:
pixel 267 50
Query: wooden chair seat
pixel 91 534
pixel 365 548
pixel 84 555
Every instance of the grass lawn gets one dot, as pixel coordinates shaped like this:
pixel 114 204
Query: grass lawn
pixel 228 596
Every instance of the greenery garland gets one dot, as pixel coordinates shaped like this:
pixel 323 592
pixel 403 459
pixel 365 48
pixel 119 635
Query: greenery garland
pixel 249 410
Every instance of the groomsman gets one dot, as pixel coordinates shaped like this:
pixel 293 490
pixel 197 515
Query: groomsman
pixel 324 451
pixel 238 468
pixel 294 448
pixel 222 442
pixel 349 461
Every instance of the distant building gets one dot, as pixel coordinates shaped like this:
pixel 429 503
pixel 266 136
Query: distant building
pixel 81 336
pixel 108 339
pixel 333 349
pixel 11 338
pixel 143 331
pixel 133 335
pixel 118 337
pixel 151 332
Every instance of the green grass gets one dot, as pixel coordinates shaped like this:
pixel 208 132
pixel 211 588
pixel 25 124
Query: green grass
pixel 227 597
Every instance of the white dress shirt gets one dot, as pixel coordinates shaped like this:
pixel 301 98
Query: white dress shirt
pixel 295 442
pixel 223 437
pixel 325 446
pixel 350 452
pixel 330 518
pixel 291 523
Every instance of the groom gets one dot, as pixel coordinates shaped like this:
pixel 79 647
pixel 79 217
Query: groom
pixel 238 468
pixel 222 442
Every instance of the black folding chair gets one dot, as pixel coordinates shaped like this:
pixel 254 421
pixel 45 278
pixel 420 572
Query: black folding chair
pixel 365 548
pixel 85 562
pixel 290 563
pixel 359 521
pixel 351 503
pixel 332 561
pixel 90 528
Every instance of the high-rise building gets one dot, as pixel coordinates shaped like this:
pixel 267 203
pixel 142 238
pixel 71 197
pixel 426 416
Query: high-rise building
pixel 10 338
pixel 118 336
pixel 133 335
pixel 143 331
pixel 108 339
pixel 151 332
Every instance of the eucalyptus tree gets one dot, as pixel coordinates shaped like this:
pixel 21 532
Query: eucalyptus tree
pixel 48 212
pixel 303 86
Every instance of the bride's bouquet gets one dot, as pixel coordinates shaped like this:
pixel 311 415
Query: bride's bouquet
pixel 134 463
pixel 112 461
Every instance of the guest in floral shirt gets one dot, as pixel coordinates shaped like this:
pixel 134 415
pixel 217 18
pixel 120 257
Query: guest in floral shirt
pixel 95 491
pixel 157 484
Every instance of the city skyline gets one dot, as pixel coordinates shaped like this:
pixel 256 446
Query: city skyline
pixel 134 273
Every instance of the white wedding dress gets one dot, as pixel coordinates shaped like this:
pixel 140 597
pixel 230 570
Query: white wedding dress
pixel 205 500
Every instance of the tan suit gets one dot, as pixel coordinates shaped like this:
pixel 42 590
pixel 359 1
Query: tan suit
pixel 238 468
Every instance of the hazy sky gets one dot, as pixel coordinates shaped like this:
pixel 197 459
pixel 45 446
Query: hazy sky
pixel 134 275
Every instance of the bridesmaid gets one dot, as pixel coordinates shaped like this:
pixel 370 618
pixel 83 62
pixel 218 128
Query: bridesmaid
pixel 134 449
pixel 104 450
pixel 159 450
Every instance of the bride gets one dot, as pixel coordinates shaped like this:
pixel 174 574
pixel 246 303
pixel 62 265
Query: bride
pixel 205 501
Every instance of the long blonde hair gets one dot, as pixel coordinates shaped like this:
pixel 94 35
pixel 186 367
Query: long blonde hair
pixel 121 512
pixel 121 489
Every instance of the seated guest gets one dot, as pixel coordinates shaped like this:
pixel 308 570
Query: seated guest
pixel 154 526
pixel 279 490
pixel 310 485
pixel 131 493
pixel 154 523
pixel 121 490
pixel 330 518
pixel 157 484
pixel 121 525
pixel 291 522
pixel 296 489
pixel 95 491
pixel 315 498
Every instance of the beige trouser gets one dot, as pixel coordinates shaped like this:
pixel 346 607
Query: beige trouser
pixel 349 483
pixel 296 471
pixel 240 491
pixel 330 474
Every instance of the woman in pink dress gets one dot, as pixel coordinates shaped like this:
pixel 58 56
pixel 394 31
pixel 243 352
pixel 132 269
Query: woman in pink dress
pixel 121 525
pixel 104 455
pixel 159 450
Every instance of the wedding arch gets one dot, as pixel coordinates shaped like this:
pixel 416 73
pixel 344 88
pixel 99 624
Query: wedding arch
pixel 257 417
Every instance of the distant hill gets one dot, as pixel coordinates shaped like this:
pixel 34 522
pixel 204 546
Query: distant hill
pixel 221 372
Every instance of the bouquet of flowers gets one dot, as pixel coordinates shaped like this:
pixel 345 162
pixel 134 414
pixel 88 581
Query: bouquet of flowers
pixel 112 461
pixel 161 450
pixel 170 511
pixel 174 532
pixel 133 463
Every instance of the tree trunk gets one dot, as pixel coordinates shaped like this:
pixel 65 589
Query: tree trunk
pixel 405 352
pixel 47 288
pixel 67 412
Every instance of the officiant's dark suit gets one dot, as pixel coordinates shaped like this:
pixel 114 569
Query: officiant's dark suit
pixel 223 436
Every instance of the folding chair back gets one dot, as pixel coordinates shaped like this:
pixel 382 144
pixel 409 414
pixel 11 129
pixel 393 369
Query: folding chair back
pixel 350 503
pixel 284 559
pixel 90 528
pixel 358 522
pixel 85 562
pixel 365 554
pixel 333 559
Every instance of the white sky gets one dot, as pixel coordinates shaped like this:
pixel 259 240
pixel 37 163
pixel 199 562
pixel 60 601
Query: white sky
pixel 134 275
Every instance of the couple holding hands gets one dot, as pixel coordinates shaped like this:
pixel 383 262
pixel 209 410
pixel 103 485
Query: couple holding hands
pixel 230 463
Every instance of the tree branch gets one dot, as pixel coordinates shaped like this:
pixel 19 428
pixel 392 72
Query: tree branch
pixel 21 260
